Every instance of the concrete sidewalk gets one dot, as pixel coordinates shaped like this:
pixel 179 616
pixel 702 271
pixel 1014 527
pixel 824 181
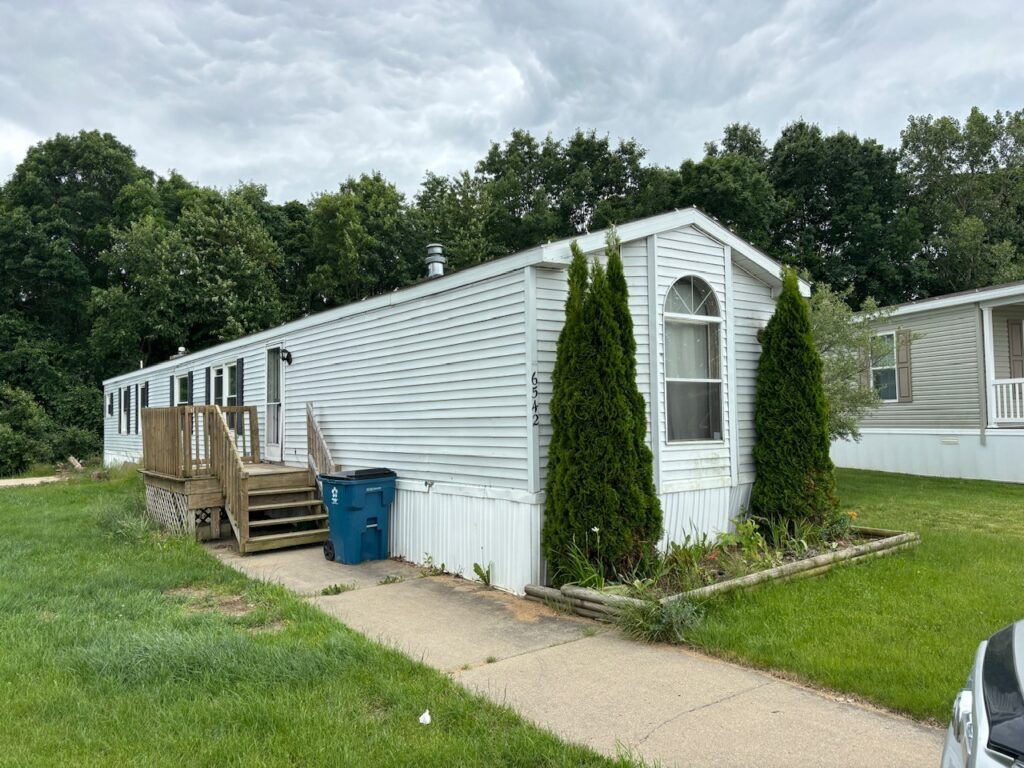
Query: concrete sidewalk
pixel 587 683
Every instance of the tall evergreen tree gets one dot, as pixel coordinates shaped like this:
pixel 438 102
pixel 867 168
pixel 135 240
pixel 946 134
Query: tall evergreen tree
pixel 566 394
pixel 595 501
pixel 795 479
pixel 647 518
pixel 602 479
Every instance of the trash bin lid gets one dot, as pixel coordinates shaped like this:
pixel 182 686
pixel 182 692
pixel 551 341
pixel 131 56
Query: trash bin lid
pixel 360 474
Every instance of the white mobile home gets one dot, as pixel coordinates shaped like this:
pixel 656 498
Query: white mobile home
pixel 447 383
pixel 950 373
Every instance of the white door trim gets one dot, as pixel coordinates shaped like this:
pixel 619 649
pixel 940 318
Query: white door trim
pixel 273 451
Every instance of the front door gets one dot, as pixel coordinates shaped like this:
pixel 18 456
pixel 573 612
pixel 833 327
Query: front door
pixel 275 393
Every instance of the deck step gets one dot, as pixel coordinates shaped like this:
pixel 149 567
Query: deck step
pixel 284 505
pixel 291 478
pixel 278 540
pixel 285 520
pixel 282 490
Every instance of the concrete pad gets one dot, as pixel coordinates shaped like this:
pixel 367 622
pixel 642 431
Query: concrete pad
pixel 678 707
pixel 303 569
pixel 448 623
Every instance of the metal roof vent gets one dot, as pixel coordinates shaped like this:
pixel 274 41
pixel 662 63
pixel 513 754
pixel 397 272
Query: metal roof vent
pixel 435 260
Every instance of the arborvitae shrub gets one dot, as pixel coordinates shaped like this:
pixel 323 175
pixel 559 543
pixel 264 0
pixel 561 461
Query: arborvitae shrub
pixel 795 478
pixel 566 394
pixel 648 518
pixel 594 467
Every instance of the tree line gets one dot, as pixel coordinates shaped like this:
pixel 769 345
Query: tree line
pixel 105 264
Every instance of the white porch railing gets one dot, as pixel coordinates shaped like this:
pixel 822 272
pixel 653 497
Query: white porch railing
pixel 1008 401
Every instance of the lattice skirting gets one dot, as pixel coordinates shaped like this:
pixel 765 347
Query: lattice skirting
pixel 170 511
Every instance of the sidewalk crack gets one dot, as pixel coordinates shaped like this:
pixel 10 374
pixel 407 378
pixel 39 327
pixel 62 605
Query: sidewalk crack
pixel 678 715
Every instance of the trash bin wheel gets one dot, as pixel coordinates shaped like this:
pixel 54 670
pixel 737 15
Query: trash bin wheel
pixel 329 550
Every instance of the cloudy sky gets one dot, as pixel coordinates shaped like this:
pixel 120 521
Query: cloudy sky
pixel 300 94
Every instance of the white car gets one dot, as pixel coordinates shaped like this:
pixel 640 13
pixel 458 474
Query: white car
pixel 987 729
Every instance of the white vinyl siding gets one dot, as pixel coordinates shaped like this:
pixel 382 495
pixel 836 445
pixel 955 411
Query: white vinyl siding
pixel 753 307
pixel 944 371
pixel 1000 336
pixel 680 253
pixel 124 444
pixel 431 388
pixel 552 286
pixel 551 293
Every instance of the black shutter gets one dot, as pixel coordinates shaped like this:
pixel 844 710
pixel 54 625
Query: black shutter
pixel 1015 333
pixel 240 379
pixel 191 381
pixel 138 407
pixel 120 417
pixel 904 389
pixel 171 402
pixel 207 385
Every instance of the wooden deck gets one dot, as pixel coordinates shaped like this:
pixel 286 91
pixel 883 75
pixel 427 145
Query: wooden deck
pixel 202 471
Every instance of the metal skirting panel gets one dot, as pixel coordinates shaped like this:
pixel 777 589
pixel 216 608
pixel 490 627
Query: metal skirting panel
pixel 953 453
pixel 458 530
pixel 707 511
pixel 116 458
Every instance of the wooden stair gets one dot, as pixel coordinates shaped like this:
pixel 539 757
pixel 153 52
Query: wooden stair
pixel 284 510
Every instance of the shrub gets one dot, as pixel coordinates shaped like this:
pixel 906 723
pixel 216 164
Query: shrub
pixel 652 621
pixel 595 468
pixel 26 432
pixel 647 519
pixel 126 518
pixel 795 480
pixel 566 395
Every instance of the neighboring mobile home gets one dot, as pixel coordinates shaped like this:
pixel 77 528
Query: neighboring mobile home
pixel 950 372
pixel 447 383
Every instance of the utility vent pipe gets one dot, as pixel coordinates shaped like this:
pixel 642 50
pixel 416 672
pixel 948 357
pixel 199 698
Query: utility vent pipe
pixel 435 260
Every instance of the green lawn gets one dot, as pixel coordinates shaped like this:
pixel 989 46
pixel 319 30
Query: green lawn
pixel 900 631
pixel 113 652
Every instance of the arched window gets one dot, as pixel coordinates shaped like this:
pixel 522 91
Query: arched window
pixel 693 368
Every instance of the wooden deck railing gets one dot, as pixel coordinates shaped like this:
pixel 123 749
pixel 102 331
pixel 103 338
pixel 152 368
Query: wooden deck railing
pixel 176 441
pixel 317 452
pixel 227 463
pixel 165 439
pixel 1008 400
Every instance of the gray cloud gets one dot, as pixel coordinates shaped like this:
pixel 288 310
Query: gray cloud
pixel 300 95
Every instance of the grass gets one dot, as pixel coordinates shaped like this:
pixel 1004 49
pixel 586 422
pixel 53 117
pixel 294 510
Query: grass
pixel 337 589
pixel 38 469
pixel 123 647
pixel 45 469
pixel 900 631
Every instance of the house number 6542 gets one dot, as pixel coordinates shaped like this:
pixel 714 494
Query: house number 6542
pixel 534 392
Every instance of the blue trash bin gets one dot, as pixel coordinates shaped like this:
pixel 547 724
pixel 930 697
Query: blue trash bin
pixel 358 514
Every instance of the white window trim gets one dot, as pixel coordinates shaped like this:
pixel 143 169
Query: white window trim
pixel 222 369
pixel 124 418
pixel 177 389
pixel 892 367
pixel 684 319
